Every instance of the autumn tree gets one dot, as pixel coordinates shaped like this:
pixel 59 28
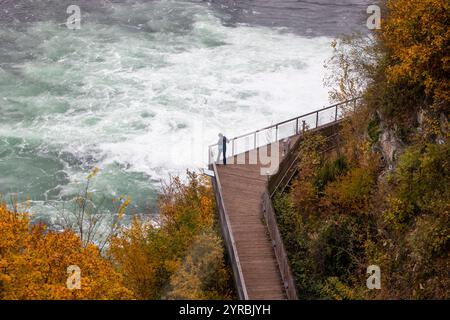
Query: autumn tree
pixel 34 262
pixel 92 222
pixel 416 35
pixel 180 255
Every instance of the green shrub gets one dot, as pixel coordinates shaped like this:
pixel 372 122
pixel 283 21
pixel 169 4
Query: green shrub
pixel 373 129
pixel 422 184
pixel 350 193
pixel 334 289
pixel 329 171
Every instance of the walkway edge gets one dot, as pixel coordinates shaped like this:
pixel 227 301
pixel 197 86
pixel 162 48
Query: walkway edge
pixel 227 233
pixel 278 247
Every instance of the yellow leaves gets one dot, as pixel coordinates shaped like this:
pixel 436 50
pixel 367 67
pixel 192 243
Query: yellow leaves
pixel 206 204
pixel 202 265
pixel 396 213
pixel 135 251
pixel 33 263
pixel 417 36
pixel 93 173
pixel 4 278
pixel 123 206
pixel 352 191
pixel 337 290
pixel 151 258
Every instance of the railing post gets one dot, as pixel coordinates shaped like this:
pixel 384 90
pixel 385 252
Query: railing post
pixel 297 128
pixel 232 147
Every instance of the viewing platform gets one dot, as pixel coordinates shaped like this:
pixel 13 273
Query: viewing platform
pixel 262 162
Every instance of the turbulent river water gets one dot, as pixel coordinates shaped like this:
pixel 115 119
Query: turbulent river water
pixel 143 87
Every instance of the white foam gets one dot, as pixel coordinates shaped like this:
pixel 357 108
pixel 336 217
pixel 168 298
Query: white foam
pixel 154 102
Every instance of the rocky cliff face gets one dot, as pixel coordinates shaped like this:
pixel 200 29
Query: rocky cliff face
pixel 390 146
pixel 434 128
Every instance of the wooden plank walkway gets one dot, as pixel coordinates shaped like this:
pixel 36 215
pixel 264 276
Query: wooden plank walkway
pixel 242 189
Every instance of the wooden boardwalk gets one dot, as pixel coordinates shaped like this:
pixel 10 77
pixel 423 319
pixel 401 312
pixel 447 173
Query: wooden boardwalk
pixel 242 189
pixel 255 248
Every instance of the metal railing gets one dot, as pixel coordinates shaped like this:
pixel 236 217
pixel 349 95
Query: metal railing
pixel 228 237
pixel 285 129
pixel 278 247
pixel 287 168
pixel 321 119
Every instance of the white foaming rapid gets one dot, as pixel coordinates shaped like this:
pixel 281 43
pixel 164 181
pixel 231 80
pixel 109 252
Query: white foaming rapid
pixel 146 100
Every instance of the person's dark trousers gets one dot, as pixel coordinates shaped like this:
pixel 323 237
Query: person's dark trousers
pixel 225 156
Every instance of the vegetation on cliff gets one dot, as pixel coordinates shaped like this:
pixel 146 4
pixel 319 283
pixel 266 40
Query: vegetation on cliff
pixel 382 197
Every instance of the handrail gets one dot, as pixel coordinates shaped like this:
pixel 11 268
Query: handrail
pixel 269 214
pixel 229 238
pixel 277 125
pixel 278 246
pixel 295 118
pixel 292 162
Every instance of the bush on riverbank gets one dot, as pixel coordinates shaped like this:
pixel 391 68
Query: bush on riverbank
pixel 182 257
pixel 34 262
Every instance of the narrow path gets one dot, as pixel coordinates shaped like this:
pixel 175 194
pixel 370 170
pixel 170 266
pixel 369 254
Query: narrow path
pixel 242 189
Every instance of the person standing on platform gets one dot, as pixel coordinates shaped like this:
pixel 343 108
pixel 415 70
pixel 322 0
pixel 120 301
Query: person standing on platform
pixel 222 148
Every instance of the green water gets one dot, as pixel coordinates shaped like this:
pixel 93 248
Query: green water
pixel 139 91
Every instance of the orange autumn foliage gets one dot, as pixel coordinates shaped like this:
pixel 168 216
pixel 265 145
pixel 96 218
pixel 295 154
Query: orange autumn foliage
pixel 34 262
pixel 417 35
pixel 181 255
